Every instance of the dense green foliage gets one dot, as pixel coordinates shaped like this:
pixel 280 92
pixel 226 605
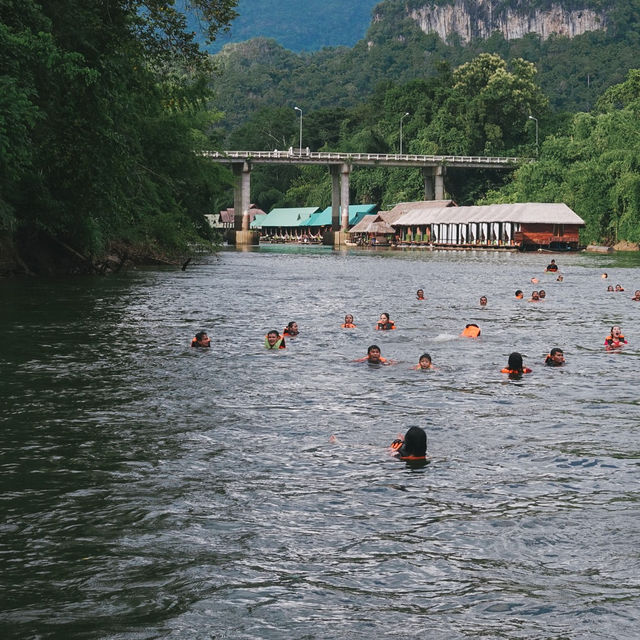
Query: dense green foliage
pixel 101 108
pixel 299 26
pixel 594 167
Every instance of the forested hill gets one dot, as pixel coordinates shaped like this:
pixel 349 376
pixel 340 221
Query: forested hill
pixel 298 25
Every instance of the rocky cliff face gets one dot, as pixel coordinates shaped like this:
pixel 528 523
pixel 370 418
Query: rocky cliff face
pixel 480 18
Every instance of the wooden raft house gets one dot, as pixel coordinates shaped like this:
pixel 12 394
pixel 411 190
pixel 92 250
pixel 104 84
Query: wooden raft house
pixel 526 226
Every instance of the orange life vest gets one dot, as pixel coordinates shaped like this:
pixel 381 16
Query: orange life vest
pixel 471 331
pixel 348 326
pixel 515 372
pixel 385 326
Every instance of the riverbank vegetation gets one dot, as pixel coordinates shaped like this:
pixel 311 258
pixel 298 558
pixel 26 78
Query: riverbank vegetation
pixel 102 106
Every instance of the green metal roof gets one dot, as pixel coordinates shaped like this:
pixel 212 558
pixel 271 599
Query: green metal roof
pixel 356 213
pixel 289 217
pixel 256 223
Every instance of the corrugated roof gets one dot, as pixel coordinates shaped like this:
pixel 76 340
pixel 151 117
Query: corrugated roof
pixel 288 217
pixel 404 207
pixel 356 213
pixel 530 212
pixel 257 221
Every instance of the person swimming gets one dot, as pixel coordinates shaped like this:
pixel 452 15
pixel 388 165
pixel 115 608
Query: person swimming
pixel 555 358
pixel 424 362
pixel 619 287
pixel 535 296
pixel 610 288
pixel 483 301
pixel 636 296
pixel 542 294
pixel 519 294
pixel 201 340
pixel 552 266
pixel 291 330
pixel 385 323
pixel 560 278
pixel 348 322
pixel 615 340
pixel 374 356
pixel 420 294
pixel 471 331
pixel 273 340
pixel 515 366
pixel 411 448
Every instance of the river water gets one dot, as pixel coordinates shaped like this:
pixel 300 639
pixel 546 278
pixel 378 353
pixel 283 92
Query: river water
pixel 151 490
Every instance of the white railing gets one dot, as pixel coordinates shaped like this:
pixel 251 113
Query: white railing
pixel 293 155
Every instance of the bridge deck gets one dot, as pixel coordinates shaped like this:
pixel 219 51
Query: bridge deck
pixel 364 159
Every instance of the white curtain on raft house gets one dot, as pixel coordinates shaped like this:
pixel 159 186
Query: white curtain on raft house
pixel 463 232
pixel 496 230
pixel 474 231
pixel 507 230
pixel 453 235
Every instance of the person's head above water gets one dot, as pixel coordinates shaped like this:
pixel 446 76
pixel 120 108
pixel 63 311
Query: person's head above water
pixel 374 353
pixel 201 340
pixel 384 317
pixel 274 339
pixel 555 357
pixel 483 301
pixel 420 294
pixel 542 294
pixel 424 361
pixel 519 294
pixel 348 319
pixel 414 443
pixel 515 361
pixel 292 329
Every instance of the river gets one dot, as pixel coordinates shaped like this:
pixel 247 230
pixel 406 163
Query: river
pixel 151 490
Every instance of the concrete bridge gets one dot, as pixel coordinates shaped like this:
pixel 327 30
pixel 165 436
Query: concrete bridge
pixel 340 164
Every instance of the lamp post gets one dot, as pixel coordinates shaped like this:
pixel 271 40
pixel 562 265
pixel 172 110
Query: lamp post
pixel 401 119
pixel 300 110
pixel 536 121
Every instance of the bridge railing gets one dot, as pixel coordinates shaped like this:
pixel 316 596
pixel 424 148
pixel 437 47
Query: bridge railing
pixel 328 156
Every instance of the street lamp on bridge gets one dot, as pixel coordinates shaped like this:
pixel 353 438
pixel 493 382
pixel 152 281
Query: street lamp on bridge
pixel 401 119
pixel 300 110
pixel 536 120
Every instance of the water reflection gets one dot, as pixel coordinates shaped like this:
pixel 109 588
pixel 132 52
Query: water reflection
pixel 150 489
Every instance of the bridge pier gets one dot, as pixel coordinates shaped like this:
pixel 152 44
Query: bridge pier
pixel 433 182
pixel 241 204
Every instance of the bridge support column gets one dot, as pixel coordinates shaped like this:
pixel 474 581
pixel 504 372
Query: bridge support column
pixel 340 237
pixel 429 189
pixel 241 203
pixel 439 182
pixel 335 197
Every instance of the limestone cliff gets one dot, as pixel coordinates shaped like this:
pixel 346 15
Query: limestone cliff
pixel 480 18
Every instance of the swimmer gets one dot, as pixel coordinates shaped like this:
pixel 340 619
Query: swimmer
pixel 291 330
pixel 424 362
pixel 619 287
pixel 519 294
pixel 534 280
pixel 201 340
pixel 374 356
pixel 411 448
pixel 560 278
pixel 514 366
pixel 471 331
pixel 636 296
pixel 348 322
pixel 385 323
pixel 615 340
pixel 610 288
pixel 535 296
pixel 552 266
pixel 420 294
pixel 273 340
pixel 555 358
pixel 483 301
pixel 542 294
pixel 604 276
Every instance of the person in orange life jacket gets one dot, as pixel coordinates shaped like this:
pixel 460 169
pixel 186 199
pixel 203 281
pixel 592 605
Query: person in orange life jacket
pixel 291 330
pixel 636 296
pixel 619 287
pixel 348 322
pixel 552 266
pixel 273 340
pixel 385 324
pixel 420 294
pixel 374 356
pixel 411 448
pixel 555 358
pixel 519 294
pixel 424 362
pixel 201 340
pixel 471 331
pixel 615 340
pixel 515 366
